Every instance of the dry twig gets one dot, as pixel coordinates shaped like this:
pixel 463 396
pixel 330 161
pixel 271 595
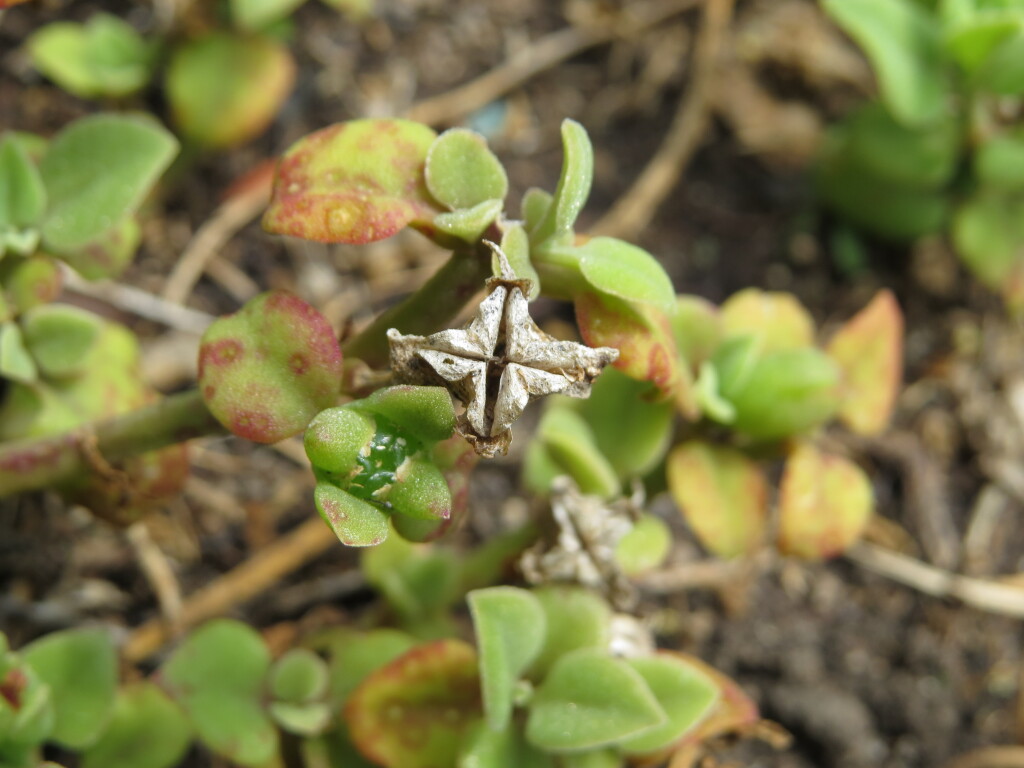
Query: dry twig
pixel 158 571
pixel 985 595
pixel 635 209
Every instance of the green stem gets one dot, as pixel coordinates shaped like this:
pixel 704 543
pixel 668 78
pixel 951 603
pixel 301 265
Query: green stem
pixel 433 306
pixel 35 463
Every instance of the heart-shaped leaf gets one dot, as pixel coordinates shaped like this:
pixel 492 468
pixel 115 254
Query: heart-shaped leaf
pixel 469 224
pixel 618 268
pixel 645 547
pixel 904 43
pixel 462 172
pixel 218 675
pixel 733 711
pixel 510 627
pixel 96 172
pixel 721 493
pixel 825 502
pixel 107 255
pixel 590 700
pixel 308 719
pixel 355 522
pixel 413 712
pixel 354 182
pixel 30 282
pixel 147 730
pixel 869 350
pixel 254 77
pixel 778 320
pixel 268 369
pixel 574 618
pixel 80 667
pixel 685 693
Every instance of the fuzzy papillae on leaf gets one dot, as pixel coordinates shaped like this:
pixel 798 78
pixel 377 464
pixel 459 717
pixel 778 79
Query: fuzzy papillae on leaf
pixel 498 363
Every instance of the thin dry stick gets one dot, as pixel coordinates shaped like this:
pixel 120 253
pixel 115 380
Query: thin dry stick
pixel 255 575
pixel 990 596
pixel 536 58
pixel 228 219
pixel 635 209
pixel 140 303
pixel 158 572
pixel 990 757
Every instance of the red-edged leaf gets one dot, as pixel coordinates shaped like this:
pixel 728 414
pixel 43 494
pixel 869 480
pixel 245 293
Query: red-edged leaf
pixel 721 493
pixel 825 502
pixel 412 713
pixel 353 182
pixel 869 351
pixel 644 337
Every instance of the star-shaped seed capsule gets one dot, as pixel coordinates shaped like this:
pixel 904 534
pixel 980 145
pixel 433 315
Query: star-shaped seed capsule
pixel 498 363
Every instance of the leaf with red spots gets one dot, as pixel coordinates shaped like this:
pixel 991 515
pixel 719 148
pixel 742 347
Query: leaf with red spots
pixel 721 493
pixel 354 182
pixel 825 501
pixel 268 369
pixel 413 712
pixel 869 350
pixel 644 337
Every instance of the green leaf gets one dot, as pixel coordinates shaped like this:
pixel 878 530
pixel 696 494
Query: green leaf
pixel 354 182
pixel 30 282
pixel 722 494
pixel 336 437
pixel 920 157
pixel 462 172
pixel 999 162
pixel 60 338
pixel 96 172
pixel 355 522
pixel 893 211
pixel 509 624
pixel 269 368
pixel 26 711
pixel 469 224
pixel 971 37
pixel 685 693
pixel 420 491
pixel 298 676
pixel 636 445
pixel 779 394
pixel 645 547
pixel 103 57
pixel 1002 72
pixel 623 270
pixel 16 363
pixel 417 581
pixel 573 185
pixel 425 413
pixel 308 719
pixel 590 700
pixel 218 675
pixel 485 748
pixel 22 195
pixel 697 326
pixel 147 730
pixel 570 444
pixel 988 232
pixel 515 244
pixel 254 77
pixel 825 503
pixel 80 666
pixel 414 711
pixel 777 320
pixel 869 351
pixel 354 655
pixel 904 43
pixel 536 204
pixel 253 15
pixel 574 618
pixel 107 255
